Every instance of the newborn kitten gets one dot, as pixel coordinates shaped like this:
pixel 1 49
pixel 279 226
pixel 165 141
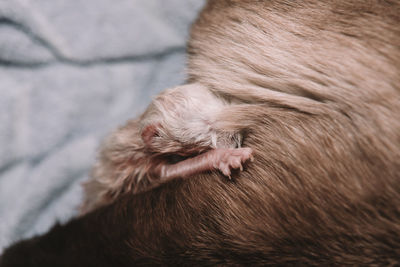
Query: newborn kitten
pixel 179 135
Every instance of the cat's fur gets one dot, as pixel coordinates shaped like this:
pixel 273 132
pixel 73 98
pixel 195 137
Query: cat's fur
pixel 316 86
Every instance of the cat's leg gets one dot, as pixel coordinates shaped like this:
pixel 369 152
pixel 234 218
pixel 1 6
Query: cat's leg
pixel 221 159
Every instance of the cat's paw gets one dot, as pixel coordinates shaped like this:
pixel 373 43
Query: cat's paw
pixel 231 158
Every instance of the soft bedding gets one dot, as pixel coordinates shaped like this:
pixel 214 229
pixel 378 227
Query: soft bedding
pixel 70 72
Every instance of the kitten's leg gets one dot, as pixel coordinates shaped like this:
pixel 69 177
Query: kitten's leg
pixel 222 159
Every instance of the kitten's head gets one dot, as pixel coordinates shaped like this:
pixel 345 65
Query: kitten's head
pixel 180 121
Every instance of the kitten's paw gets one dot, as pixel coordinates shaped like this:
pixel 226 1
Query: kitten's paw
pixel 227 159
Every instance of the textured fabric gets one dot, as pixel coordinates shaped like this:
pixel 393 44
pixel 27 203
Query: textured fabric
pixel 70 72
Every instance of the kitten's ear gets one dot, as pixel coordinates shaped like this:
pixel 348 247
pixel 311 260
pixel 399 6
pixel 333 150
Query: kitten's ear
pixel 149 132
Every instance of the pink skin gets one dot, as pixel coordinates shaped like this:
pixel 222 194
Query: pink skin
pixel 222 159
pixel 148 133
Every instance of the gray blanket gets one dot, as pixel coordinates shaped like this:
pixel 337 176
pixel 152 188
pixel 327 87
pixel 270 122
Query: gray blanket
pixel 70 72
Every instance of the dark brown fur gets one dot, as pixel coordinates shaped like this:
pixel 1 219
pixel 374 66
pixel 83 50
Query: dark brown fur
pixel 320 81
pixel 272 214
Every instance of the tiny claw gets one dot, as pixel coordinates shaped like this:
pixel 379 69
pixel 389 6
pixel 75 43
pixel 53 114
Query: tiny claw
pixel 251 158
pixel 226 170
pixel 241 167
